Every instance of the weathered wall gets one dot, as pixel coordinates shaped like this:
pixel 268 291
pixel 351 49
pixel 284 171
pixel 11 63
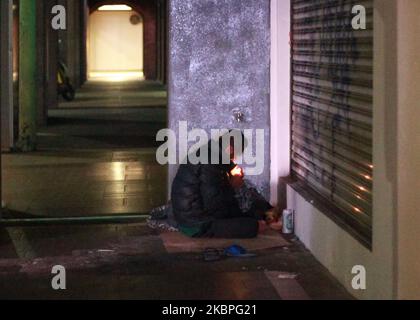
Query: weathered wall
pixel 408 186
pixel 219 61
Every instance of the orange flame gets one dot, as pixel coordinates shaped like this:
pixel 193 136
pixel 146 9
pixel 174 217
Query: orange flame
pixel 237 172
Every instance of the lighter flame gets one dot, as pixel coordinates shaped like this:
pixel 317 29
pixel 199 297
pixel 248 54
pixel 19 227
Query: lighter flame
pixel 237 172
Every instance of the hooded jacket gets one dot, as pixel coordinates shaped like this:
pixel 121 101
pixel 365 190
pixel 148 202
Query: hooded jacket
pixel 201 193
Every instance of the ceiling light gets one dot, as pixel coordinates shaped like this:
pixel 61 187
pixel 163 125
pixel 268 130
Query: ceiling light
pixel 115 7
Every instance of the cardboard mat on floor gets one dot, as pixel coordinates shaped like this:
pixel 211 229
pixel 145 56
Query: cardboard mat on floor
pixel 176 242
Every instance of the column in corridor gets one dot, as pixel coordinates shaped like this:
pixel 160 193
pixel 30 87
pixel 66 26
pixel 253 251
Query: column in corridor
pixel 6 75
pixel 408 140
pixel 84 14
pixel 42 23
pixel 51 53
pixel 161 40
pixel 27 76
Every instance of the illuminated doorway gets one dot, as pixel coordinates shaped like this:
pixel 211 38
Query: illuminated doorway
pixel 115 43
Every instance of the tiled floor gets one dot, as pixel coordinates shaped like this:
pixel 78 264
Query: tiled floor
pixel 107 116
pixel 71 183
pixel 96 156
pixel 125 94
pixel 131 262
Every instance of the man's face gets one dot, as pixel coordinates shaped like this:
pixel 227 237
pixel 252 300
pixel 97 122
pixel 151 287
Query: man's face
pixel 231 150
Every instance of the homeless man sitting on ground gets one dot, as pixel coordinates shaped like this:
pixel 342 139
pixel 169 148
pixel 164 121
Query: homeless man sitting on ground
pixel 203 197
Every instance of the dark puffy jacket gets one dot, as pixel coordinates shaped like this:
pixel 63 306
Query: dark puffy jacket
pixel 202 193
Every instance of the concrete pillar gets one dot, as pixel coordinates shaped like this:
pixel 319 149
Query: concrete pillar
pixel 159 40
pixel 84 14
pixel 42 22
pixel 27 75
pixel 166 42
pixel 51 58
pixel 72 34
pixel 76 37
pixel 219 63
pixel 163 40
pixel 6 58
pixel 408 141
pixel 150 36
pixel 62 38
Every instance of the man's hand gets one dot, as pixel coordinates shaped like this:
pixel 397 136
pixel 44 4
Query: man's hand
pixel 262 226
pixel 236 177
pixel 236 181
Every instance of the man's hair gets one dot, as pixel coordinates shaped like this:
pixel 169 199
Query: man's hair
pixel 234 134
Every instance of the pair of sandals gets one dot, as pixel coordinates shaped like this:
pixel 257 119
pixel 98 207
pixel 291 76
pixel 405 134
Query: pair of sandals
pixel 235 251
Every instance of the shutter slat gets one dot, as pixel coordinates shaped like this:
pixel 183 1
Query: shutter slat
pixel 336 87
pixel 357 113
pixel 340 101
pixel 321 164
pixel 342 131
pixel 341 189
pixel 333 145
pixel 332 85
pixel 344 18
pixel 299 35
pixel 320 7
pixel 324 190
pixel 334 93
pixel 355 170
pixel 362 162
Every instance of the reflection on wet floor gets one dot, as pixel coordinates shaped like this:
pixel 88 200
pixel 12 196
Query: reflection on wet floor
pixel 131 94
pixel 102 183
pixel 96 156
pixel 131 262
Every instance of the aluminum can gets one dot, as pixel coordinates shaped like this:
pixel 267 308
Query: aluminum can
pixel 288 221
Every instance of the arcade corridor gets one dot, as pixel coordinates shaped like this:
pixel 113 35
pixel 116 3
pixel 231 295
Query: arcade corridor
pixel 330 107
pixel 95 156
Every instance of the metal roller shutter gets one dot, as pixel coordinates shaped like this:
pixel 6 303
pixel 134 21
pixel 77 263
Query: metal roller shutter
pixel 332 79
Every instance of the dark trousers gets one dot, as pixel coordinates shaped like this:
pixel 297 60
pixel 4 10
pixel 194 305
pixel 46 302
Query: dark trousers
pixel 234 228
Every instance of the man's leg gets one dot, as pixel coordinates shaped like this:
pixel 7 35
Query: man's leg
pixel 236 228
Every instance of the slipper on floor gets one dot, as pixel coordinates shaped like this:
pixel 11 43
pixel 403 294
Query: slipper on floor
pixel 213 254
pixel 236 251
